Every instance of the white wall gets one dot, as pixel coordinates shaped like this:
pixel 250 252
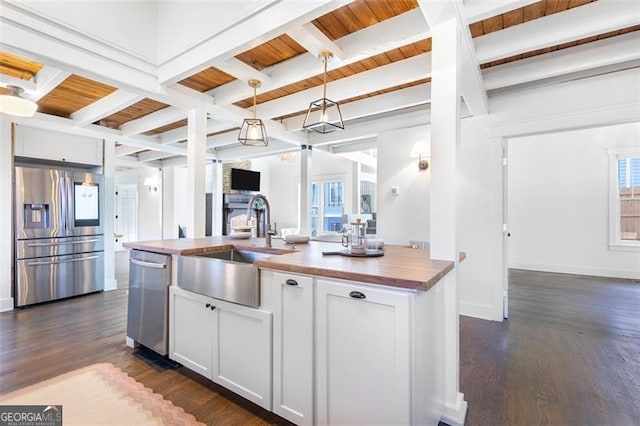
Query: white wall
pixel 129 25
pixel 149 202
pixel 559 202
pixel 405 216
pixel 586 103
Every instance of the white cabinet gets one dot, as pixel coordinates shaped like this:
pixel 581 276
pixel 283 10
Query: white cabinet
pixel 363 354
pixel 44 144
pixel 293 366
pixel 191 329
pixel 242 352
pixel 227 343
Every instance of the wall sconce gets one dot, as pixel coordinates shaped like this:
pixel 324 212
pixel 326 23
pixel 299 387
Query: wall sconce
pixel 151 184
pixel 421 151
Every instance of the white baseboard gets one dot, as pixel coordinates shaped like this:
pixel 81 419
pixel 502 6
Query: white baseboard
pixel 6 304
pixel 476 310
pixel 456 413
pixel 579 270
pixel 110 284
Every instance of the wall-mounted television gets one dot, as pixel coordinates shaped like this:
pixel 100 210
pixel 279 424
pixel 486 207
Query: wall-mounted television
pixel 245 180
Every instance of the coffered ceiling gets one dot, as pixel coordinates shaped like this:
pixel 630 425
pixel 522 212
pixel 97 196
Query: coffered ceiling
pixel 381 64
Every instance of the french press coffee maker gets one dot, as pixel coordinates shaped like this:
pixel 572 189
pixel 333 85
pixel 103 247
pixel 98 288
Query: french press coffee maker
pixel 355 239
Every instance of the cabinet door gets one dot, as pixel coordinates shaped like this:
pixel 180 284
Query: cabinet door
pixel 292 346
pixel 191 327
pixel 242 352
pixel 363 354
pixel 45 144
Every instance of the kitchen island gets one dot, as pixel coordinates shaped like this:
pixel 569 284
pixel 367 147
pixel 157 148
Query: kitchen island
pixel 335 340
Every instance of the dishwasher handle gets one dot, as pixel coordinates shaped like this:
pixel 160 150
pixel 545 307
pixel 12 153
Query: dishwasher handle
pixel 148 264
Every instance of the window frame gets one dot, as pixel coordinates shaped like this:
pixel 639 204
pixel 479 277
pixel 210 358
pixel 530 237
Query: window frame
pixel 615 242
pixel 320 181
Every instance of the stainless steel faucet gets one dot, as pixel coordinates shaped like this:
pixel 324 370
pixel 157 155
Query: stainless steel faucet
pixel 268 232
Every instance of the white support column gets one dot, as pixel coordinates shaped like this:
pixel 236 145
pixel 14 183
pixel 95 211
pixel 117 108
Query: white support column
pixel 355 187
pixel 169 225
pixel 216 229
pixel 445 136
pixel 304 214
pixel 196 152
pixel 108 170
pixel 6 194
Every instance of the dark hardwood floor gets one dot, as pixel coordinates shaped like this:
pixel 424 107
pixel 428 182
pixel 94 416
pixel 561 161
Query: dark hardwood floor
pixel 568 355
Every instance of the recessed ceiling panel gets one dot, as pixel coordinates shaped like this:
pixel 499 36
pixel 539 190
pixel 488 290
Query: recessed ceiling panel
pixel 73 94
pixel 132 112
pixel 360 14
pixel 272 52
pixel 18 67
pixel 207 79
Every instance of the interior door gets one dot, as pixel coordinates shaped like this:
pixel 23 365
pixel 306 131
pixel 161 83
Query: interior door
pixel 126 220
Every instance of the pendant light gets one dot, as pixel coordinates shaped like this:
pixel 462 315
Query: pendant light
pixel 324 115
pixel 14 104
pixel 253 132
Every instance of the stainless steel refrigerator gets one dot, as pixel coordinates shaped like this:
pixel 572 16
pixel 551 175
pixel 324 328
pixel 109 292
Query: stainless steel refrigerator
pixel 59 240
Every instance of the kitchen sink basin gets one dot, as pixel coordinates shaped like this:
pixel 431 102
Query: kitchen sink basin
pixel 227 275
pixel 236 255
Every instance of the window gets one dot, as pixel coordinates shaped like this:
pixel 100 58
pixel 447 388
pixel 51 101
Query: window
pixel 625 199
pixel 327 206
pixel 367 197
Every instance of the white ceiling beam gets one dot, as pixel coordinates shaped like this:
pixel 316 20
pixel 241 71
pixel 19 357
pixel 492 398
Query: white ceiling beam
pixel 65 125
pixel 370 129
pixel 7 80
pixel 112 103
pixel 239 69
pixel 314 41
pixel 259 28
pixel 601 53
pixel 380 104
pixel 389 34
pixel 70 51
pixel 477 10
pixel 145 157
pixel 47 79
pixel 122 162
pixel 152 121
pixel 360 157
pixel 180 134
pixel 123 150
pixel 241 152
pixel 591 19
pixel 230 113
pixel 393 74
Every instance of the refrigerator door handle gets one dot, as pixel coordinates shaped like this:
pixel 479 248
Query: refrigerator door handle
pixel 61 243
pixel 53 262
pixel 148 264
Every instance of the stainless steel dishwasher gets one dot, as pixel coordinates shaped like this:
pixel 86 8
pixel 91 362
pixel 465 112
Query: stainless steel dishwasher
pixel 148 313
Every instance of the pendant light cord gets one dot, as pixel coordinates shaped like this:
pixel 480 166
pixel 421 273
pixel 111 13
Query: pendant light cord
pixel 324 90
pixel 254 102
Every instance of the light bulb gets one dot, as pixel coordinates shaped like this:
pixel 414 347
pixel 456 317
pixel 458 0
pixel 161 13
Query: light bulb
pixel 253 133
pixel 324 117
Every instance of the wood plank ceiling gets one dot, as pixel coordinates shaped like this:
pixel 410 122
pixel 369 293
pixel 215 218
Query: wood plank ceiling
pixel 76 91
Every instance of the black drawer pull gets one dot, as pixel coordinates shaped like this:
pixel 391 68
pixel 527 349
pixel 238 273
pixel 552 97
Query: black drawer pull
pixel 291 282
pixel 208 305
pixel 357 295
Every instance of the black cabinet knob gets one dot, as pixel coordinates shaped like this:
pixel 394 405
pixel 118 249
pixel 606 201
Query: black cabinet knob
pixel 212 307
pixel 291 282
pixel 357 295
pixel 208 305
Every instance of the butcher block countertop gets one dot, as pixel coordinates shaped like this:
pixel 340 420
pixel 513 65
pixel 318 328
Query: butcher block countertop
pixel 400 266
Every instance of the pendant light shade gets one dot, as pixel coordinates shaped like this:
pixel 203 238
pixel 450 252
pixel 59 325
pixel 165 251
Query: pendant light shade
pixel 253 132
pixel 324 115
pixel 13 104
